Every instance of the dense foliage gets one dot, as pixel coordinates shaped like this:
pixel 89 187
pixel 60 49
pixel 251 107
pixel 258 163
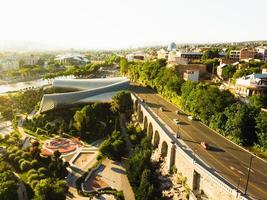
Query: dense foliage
pixel 141 174
pixel 34 169
pixel 89 122
pixel 114 147
pixel 219 109
pixel 8 182
pixel 24 102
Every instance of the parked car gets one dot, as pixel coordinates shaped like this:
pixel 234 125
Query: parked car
pixel 176 121
pixel 204 145
pixel 161 109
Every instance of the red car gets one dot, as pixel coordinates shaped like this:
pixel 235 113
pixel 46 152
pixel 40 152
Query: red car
pixel 204 145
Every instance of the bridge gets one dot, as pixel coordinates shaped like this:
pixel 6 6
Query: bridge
pixel 221 172
pixel 90 90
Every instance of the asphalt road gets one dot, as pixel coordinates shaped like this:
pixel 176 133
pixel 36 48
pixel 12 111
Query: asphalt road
pixel 224 157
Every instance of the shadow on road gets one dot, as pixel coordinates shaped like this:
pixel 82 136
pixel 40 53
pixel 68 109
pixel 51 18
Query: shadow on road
pixel 215 149
pixel 120 171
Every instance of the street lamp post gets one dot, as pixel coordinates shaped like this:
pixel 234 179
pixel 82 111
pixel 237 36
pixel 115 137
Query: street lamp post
pixel 249 169
pixel 239 181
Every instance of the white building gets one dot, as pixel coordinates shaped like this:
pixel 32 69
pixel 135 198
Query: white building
pixel 73 58
pixel 191 75
pixel 220 69
pixel 175 58
pixel 136 56
pixel 262 53
pixel 251 84
pixel 162 53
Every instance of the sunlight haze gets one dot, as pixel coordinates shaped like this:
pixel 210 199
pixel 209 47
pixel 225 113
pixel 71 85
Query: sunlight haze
pixel 106 24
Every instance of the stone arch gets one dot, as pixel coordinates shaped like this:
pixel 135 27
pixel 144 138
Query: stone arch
pixel 145 124
pixel 150 131
pixel 135 105
pixel 164 149
pixel 156 140
pixel 140 114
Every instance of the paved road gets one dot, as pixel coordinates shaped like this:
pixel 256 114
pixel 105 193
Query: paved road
pixel 226 158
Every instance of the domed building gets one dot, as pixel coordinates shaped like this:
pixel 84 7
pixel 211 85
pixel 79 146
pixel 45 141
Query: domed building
pixel 172 46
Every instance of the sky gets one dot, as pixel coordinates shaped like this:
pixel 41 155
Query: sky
pixel 115 24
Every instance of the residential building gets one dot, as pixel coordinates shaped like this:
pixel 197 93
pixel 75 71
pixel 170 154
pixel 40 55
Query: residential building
pixel 262 53
pixel 136 56
pixel 174 58
pixel 190 55
pixel 191 75
pixel 251 84
pixel 234 54
pixel 242 54
pixel 247 54
pixel 202 69
pixel 162 53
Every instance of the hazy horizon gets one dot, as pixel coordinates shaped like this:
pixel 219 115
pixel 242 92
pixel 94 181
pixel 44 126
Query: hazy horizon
pixel 120 24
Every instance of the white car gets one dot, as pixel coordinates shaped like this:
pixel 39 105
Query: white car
pixel 176 121
pixel 161 109
pixel 190 117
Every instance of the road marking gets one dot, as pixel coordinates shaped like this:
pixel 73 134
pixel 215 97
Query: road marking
pixel 215 159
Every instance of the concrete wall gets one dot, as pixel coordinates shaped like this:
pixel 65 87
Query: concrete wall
pixel 176 152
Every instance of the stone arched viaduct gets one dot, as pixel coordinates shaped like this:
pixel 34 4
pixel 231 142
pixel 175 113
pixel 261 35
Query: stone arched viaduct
pixel 176 153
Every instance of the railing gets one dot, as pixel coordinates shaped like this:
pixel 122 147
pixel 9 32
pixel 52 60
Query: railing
pixel 199 164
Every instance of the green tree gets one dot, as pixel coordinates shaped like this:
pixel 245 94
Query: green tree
pixel 123 66
pixel 146 190
pixel 210 53
pixel 121 102
pixel 51 189
pixel 261 129
pixel 228 71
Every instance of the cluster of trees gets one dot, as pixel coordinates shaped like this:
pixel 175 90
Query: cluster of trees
pixel 89 122
pixel 79 71
pixel 26 72
pixel 135 133
pixel 245 68
pixel 24 101
pixel 40 170
pixel 157 76
pixel 243 123
pixel 8 182
pixel 113 147
pixel 141 174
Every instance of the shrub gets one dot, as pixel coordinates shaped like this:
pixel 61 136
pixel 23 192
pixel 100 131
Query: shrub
pixel 34 183
pixel 34 164
pixel 33 177
pixel 16 159
pixel 26 165
pixel 42 170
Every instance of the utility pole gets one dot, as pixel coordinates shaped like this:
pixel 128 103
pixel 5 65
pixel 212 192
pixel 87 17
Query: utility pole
pixel 249 169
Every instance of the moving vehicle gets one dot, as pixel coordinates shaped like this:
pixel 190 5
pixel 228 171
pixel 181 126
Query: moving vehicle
pixel 204 145
pixel 190 117
pixel 176 121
